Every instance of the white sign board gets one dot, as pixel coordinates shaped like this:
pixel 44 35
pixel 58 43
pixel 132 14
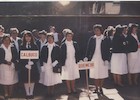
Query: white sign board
pixel 86 65
pixel 29 54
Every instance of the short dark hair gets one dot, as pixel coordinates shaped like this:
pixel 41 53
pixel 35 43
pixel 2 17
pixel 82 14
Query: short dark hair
pixel 99 26
pixel 4 37
pixel 131 26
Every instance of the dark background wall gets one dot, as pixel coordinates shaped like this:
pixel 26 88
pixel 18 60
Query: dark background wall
pixel 40 15
pixel 77 23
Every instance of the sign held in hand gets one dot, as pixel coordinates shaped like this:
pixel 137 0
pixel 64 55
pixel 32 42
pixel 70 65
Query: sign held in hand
pixel 86 65
pixel 29 54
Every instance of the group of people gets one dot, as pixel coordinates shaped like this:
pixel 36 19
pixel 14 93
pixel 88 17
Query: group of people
pixel 125 49
pixel 116 49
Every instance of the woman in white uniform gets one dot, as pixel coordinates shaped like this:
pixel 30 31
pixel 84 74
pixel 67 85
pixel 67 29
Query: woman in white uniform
pixel 133 54
pixel 8 60
pixel 69 58
pixel 98 52
pixel 119 58
pixel 50 57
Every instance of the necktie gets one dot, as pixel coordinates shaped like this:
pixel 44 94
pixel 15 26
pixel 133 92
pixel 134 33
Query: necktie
pixel 29 46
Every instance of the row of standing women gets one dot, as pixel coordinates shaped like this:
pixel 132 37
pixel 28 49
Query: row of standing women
pixel 125 53
pixel 120 52
pixel 11 66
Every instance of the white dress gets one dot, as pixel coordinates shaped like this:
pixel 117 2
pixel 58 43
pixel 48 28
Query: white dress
pixel 8 74
pixel 70 70
pixel 119 63
pixel 100 71
pixel 134 59
pixel 49 78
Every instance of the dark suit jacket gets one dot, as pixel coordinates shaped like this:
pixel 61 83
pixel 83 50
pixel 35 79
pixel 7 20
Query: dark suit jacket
pixel 104 48
pixel 55 55
pixel 119 44
pixel 19 43
pixel 64 52
pixel 14 56
pixel 132 44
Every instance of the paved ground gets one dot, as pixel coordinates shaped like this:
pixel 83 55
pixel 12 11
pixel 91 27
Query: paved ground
pixel 111 92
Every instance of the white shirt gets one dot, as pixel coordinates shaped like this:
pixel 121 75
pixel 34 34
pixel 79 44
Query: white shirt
pixel 16 42
pixel 8 53
pixel 70 50
pixel 42 43
pixel 50 47
pixel 56 37
pixel 97 53
pixel 28 45
pixel 125 35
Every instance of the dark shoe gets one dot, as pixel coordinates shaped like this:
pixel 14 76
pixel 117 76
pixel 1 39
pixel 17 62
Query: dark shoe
pixel 101 91
pixel 74 92
pixel 68 93
pixel 27 97
pixel 31 97
pixel 136 83
pixel 48 95
pixel 6 97
pixel 96 91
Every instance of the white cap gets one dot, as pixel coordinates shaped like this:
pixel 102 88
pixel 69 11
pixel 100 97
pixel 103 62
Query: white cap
pixel 65 31
pixel 50 34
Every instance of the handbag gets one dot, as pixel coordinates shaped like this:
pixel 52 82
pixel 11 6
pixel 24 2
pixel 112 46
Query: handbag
pixel 57 69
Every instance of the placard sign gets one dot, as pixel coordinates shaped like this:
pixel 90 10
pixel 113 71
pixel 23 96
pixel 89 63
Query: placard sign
pixel 29 54
pixel 86 65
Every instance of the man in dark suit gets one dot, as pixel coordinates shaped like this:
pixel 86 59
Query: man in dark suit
pixel 14 38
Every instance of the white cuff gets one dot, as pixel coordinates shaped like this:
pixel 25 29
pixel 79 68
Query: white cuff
pixel 30 63
pixel 28 67
pixel 85 59
pixel 42 68
pixel 80 61
pixel 106 63
pixel 12 66
pixel 54 63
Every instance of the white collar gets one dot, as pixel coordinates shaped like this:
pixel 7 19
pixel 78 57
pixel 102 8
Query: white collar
pixel 99 37
pixel 48 44
pixel 17 38
pixel 69 42
pixel 3 46
pixel 44 41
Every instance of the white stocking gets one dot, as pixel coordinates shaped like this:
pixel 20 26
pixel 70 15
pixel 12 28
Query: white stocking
pixel 32 88
pixel 26 85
